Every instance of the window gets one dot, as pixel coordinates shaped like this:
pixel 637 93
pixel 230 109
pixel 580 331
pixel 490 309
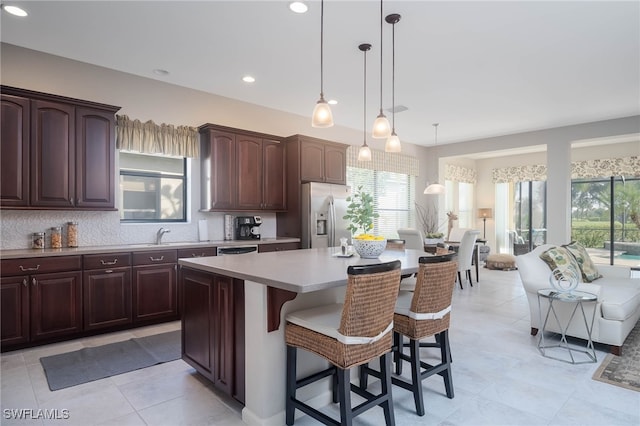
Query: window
pixel 152 188
pixel 596 220
pixel 394 198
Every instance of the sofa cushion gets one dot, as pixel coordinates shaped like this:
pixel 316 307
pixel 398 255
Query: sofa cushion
pixel 560 258
pixel 587 267
pixel 619 299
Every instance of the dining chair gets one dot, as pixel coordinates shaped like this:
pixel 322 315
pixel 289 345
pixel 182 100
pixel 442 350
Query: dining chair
pixel 465 255
pixel 414 240
pixel 420 314
pixel 347 335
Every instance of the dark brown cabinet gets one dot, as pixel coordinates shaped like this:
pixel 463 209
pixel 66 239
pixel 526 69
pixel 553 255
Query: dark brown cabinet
pixel 265 248
pixel 155 290
pixel 241 171
pixel 62 152
pixel 14 151
pixel 213 329
pixel 41 299
pixel 106 290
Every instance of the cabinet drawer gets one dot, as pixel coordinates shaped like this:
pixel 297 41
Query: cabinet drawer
pixel 265 248
pixel 154 257
pixel 196 252
pixel 39 265
pixel 107 260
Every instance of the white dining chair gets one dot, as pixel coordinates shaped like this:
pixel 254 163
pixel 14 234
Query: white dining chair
pixel 465 255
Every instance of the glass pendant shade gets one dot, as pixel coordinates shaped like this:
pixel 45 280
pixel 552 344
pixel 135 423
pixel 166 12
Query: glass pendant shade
pixel 381 127
pixel 434 188
pixel 364 153
pixel 393 143
pixel 322 116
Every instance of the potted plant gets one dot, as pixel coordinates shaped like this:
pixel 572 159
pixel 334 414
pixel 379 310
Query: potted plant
pixel 361 213
pixel 428 217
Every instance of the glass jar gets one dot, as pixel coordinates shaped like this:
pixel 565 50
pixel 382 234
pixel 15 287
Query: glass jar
pixel 72 234
pixel 37 240
pixel 56 237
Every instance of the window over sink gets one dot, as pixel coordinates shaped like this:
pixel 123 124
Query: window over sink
pixel 153 188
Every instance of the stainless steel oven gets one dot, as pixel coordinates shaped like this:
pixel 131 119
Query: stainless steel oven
pixel 228 250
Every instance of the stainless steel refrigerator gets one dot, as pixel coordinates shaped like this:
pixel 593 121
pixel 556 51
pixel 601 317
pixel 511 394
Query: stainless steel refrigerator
pixel 323 208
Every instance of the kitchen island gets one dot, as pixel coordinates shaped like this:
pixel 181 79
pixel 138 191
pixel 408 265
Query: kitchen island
pixel 274 284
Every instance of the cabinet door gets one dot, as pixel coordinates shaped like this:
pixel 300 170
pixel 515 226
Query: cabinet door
pixel 56 302
pixel 95 163
pixel 311 161
pixel 52 154
pixel 223 322
pixel 107 298
pixel 14 313
pixel 335 164
pixel 249 166
pixel 197 320
pixel 14 151
pixel 218 168
pixel 155 292
pixel 274 185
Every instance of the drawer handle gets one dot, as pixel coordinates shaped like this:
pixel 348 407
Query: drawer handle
pixel 197 255
pixel 108 271
pixel 107 263
pixel 156 259
pixel 23 269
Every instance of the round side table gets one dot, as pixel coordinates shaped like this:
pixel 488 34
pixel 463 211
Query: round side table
pixel 577 298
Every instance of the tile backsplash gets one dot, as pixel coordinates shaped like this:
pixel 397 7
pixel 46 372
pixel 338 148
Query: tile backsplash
pixel 96 228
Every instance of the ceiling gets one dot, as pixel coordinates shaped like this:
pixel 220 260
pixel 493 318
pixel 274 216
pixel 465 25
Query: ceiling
pixel 477 68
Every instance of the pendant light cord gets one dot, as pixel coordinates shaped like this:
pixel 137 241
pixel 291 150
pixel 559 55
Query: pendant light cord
pixel 381 56
pixel 364 113
pixel 393 79
pixel 321 49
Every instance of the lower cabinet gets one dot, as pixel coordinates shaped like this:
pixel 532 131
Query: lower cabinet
pixel 265 248
pixel 106 294
pixel 41 299
pixel 213 329
pixel 155 288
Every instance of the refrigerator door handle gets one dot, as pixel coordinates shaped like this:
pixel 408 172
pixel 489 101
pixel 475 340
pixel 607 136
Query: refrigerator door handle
pixel 332 222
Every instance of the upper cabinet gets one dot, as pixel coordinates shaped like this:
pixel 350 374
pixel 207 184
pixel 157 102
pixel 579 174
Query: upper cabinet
pixel 241 170
pixel 57 153
pixel 317 160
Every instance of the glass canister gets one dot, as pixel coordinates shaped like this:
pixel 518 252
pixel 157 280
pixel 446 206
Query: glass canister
pixel 72 234
pixel 56 237
pixel 37 240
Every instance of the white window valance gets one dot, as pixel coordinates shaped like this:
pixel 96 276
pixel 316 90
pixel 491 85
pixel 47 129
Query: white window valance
pixel 460 174
pixel 152 138
pixel 383 161
pixel 627 166
pixel 536 172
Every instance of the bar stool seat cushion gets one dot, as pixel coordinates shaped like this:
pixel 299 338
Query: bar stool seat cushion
pixel 323 319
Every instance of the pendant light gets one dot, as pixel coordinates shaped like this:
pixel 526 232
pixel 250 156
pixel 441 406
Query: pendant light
pixel 393 141
pixel 435 188
pixel 364 153
pixel 322 116
pixel 381 127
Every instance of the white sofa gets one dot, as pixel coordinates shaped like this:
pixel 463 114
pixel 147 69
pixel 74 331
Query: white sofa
pixel 617 307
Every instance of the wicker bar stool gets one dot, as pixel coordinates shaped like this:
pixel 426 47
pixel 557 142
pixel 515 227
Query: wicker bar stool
pixel 347 335
pixel 420 314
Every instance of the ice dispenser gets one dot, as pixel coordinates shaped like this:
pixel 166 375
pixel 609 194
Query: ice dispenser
pixel 321 223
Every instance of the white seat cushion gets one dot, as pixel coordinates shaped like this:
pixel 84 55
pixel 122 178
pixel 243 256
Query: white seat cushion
pixel 408 284
pixel 403 304
pixel 618 302
pixel 323 319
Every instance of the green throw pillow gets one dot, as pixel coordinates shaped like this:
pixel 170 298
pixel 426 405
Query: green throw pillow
pixel 587 267
pixel 560 258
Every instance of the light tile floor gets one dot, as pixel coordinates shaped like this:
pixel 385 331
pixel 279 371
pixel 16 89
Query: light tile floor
pixel 499 379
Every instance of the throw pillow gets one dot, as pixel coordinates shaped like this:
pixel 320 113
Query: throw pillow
pixel 560 258
pixel 587 267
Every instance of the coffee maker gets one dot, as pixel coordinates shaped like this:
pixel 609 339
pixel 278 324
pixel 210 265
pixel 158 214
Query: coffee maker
pixel 247 227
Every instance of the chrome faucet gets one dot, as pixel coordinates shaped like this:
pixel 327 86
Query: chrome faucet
pixel 160 233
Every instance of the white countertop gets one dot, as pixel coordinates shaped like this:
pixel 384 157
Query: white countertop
pixel 30 253
pixel 300 271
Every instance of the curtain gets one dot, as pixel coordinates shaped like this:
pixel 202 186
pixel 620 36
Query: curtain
pixel 460 174
pixel 151 138
pixel 626 166
pixel 537 172
pixel 383 161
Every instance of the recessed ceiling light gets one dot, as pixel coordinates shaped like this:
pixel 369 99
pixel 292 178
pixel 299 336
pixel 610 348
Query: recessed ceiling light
pixel 332 102
pixel 298 7
pixel 160 72
pixel 248 79
pixel 14 10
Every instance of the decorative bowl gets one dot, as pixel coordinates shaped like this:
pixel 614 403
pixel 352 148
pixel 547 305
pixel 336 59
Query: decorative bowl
pixel 369 249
